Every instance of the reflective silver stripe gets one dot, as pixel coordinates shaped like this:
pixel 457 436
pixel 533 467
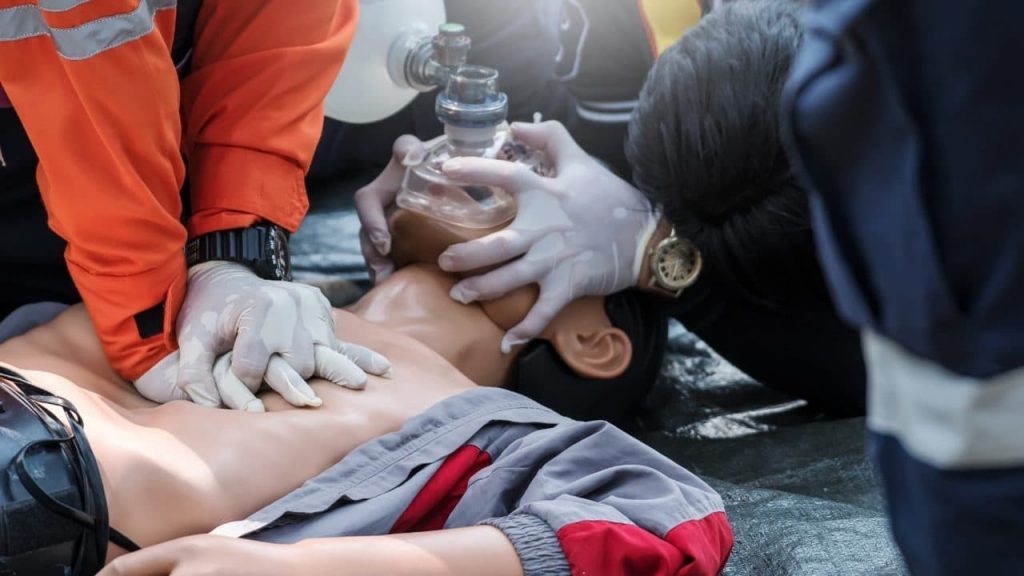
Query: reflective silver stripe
pixel 620 106
pixel 604 117
pixel 59 5
pixel 86 40
pixel 941 418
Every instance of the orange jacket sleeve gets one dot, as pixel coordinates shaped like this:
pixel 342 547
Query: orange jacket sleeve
pixel 95 88
pixel 96 91
pixel 253 106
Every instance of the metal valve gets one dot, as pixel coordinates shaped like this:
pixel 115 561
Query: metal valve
pixel 428 62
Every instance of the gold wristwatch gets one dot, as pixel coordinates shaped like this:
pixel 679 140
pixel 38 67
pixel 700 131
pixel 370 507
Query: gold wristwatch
pixel 673 264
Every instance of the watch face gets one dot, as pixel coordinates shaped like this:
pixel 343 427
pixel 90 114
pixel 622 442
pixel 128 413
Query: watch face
pixel 677 263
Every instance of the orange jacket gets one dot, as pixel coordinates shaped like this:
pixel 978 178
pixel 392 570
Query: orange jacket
pixel 95 87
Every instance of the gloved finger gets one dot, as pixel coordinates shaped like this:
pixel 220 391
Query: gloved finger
pixel 408 150
pixel 312 323
pixel 335 367
pixel 370 203
pixel 379 266
pixel 293 388
pixel 501 246
pixel 550 136
pixel 497 283
pixel 369 361
pixel 513 177
pixel 543 312
pixel 372 200
pixel 195 372
pixel 299 355
pixel 250 357
pixel 315 311
pixel 160 383
pixel 233 392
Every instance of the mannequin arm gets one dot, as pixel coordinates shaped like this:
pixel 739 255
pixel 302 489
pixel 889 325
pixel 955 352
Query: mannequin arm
pixel 457 552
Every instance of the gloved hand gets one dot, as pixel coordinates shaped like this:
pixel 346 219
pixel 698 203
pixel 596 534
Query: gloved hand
pixel 373 199
pixel 581 233
pixel 257 331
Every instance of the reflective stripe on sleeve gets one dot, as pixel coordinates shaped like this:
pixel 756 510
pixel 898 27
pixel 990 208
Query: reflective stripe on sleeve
pixel 943 419
pixel 83 41
pixel 59 5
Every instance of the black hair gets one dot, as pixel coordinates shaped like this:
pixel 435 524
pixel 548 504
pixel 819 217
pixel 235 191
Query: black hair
pixel 704 144
pixel 542 375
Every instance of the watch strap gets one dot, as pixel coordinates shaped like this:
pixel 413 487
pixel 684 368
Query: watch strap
pixel 647 239
pixel 646 280
pixel 262 248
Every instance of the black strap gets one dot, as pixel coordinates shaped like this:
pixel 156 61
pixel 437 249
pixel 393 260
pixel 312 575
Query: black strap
pixel 123 541
pixel 59 508
pixel 78 458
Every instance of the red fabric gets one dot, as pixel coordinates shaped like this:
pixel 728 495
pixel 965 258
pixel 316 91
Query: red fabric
pixel 430 508
pixel 4 102
pixel 694 548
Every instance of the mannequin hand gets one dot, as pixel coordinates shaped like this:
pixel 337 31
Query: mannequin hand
pixel 375 197
pixel 580 233
pixel 205 555
pixel 276 332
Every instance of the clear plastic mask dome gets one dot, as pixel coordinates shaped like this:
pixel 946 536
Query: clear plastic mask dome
pixel 474 113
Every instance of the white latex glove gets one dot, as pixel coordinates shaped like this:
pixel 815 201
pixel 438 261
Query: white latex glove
pixel 373 200
pixel 160 383
pixel 278 333
pixel 581 233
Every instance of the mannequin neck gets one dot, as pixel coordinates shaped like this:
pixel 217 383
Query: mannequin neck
pixel 414 301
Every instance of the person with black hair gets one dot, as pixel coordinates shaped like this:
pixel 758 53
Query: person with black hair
pixel 705 146
pixel 717 222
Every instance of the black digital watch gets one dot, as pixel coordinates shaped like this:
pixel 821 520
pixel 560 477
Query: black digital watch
pixel 262 248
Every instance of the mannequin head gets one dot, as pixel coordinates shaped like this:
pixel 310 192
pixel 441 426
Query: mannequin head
pixel 596 359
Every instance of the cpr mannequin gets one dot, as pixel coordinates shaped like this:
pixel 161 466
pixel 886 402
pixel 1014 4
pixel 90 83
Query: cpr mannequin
pixel 165 479
pixel 582 334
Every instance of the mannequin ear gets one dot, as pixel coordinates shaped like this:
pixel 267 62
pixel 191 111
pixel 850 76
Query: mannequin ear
pixel 601 354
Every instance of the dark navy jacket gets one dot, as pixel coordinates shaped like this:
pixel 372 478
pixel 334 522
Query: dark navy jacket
pixel 907 116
